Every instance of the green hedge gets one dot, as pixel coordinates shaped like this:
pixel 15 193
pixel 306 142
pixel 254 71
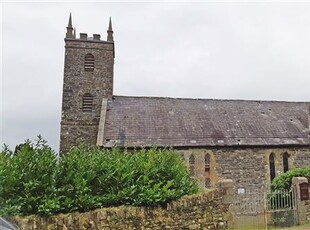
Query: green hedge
pixel 35 181
pixel 284 181
pixel 27 178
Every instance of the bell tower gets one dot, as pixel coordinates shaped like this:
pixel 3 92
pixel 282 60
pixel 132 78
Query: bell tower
pixel 88 78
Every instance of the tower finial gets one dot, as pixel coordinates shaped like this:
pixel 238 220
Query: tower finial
pixel 70 22
pixel 110 32
pixel 110 24
pixel 69 33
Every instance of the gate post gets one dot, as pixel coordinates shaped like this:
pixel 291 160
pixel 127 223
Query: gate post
pixel 300 186
pixel 226 188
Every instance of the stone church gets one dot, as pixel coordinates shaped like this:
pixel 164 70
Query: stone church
pixel 249 142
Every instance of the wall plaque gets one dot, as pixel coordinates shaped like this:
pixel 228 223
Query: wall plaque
pixel 304 191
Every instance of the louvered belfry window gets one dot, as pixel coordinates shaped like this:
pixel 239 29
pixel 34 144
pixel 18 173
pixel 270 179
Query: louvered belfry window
pixel 89 64
pixel 87 104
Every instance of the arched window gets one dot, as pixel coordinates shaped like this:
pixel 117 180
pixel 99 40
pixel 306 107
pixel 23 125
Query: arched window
pixel 207 171
pixel 87 103
pixel 272 167
pixel 89 63
pixel 285 162
pixel 192 165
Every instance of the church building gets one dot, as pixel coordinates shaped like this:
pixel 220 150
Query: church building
pixel 250 142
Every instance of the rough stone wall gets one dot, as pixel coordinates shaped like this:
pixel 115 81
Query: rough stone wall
pixel 73 133
pixel 206 210
pixel 308 211
pixel 76 125
pixel 247 167
pixel 302 206
pixel 301 158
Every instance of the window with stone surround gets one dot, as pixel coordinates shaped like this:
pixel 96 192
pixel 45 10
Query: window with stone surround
pixel 87 102
pixel 285 161
pixel 89 64
pixel 207 171
pixel 192 165
pixel 272 169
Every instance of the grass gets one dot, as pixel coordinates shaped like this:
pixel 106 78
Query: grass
pixel 300 227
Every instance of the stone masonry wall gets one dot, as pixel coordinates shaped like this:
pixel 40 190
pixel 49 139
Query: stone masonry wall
pixel 247 167
pixel 206 210
pixel 307 214
pixel 308 211
pixel 301 158
pixel 77 125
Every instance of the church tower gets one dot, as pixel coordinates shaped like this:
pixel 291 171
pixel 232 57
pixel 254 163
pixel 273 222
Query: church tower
pixel 88 79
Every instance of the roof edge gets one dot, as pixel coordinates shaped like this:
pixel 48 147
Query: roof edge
pixel 210 99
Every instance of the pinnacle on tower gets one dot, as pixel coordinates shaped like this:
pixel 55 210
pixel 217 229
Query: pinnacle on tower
pixel 70 22
pixel 110 32
pixel 69 33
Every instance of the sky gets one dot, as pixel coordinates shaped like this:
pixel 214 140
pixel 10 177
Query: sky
pixel 216 50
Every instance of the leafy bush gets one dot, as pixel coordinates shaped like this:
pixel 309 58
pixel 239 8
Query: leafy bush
pixel 284 181
pixel 89 178
pixel 27 177
pixel 34 181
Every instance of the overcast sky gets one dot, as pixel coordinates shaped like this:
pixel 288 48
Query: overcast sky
pixel 251 51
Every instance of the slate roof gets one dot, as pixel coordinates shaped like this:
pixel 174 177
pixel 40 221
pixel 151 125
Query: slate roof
pixel 146 121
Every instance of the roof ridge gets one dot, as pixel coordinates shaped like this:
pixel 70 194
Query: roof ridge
pixel 212 99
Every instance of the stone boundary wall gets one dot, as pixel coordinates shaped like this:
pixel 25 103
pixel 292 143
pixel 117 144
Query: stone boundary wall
pixel 206 210
pixel 308 213
pixel 308 210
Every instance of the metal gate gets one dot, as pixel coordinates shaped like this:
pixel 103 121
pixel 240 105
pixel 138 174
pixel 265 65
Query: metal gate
pixel 254 208
pixel 248 209
pixel 281 208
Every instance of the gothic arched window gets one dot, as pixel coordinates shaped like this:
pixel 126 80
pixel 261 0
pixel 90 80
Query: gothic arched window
pixel 272 169
pixel 207 171
pixel 192 165
pixel 87 102
pixel 89 62
pixel 285 162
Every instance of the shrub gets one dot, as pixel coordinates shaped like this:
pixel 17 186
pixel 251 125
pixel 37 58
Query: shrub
pixel 284 181
pixel 34 181
pixel 91 178
pixel 27 178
